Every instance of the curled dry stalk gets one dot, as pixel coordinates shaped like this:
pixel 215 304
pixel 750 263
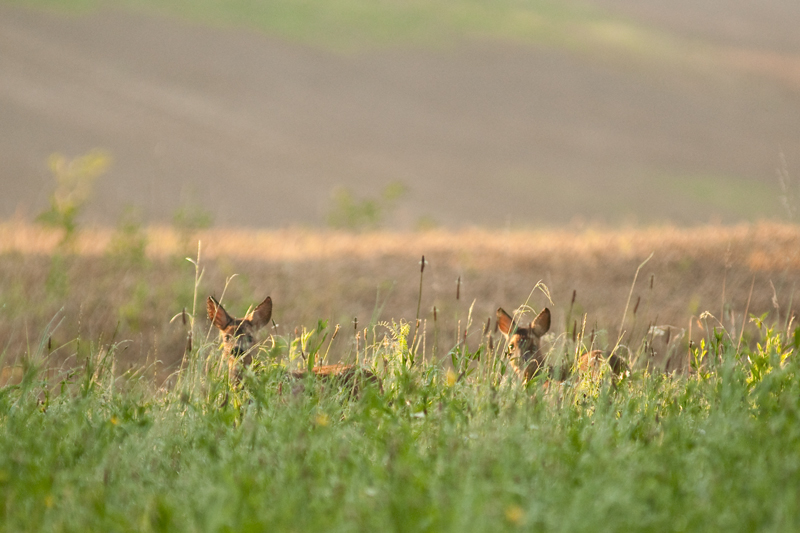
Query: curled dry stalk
pixel 190 320
pixel 335 332
pixel 789 314
pixel 628 302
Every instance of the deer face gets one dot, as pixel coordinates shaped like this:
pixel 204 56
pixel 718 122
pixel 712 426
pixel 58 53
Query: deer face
pixel 524 342
pixel 238 334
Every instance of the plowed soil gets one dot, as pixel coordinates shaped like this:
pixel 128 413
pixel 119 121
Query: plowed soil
pixel 259 132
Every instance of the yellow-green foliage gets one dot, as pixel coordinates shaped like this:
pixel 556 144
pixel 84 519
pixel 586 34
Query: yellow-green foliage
pixel 74 182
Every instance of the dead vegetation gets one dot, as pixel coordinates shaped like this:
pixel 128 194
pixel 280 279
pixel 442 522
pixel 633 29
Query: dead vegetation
pixel 98 297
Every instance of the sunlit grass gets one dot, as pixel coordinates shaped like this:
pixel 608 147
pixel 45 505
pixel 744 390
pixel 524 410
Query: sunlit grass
pixel 294 244
pixel 127 283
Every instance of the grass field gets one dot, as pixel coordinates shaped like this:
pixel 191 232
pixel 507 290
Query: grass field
pixel 456 447
pixel 108 425
pixel 117 414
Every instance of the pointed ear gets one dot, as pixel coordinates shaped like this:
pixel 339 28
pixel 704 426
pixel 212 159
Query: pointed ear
pixel 504 322
pixel 216 314
pixel 541 324
pixel 262 314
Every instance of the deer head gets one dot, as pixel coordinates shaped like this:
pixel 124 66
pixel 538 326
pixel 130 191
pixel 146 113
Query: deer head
pixel 524 342
pixel 238 334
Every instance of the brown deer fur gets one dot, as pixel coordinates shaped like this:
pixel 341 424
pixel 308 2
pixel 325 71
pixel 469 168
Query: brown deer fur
pixel 524 347
pixel 238 344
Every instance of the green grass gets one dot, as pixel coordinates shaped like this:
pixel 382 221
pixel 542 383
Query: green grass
pixel 717 449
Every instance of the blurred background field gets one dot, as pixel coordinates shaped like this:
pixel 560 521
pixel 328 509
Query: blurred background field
pixel 510 113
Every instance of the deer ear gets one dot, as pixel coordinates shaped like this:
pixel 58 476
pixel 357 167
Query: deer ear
pixel 504 321
pixel 262 314
pixel 541 324
pixel 216 314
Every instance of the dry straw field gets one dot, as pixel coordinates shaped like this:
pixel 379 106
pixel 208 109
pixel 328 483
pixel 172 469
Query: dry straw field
pixel 111 287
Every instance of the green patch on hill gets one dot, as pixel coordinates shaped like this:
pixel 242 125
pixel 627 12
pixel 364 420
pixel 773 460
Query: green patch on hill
pixel 362 24
pixel 724 196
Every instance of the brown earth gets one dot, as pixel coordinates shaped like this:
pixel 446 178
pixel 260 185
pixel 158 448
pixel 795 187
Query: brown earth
pixel 259 132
